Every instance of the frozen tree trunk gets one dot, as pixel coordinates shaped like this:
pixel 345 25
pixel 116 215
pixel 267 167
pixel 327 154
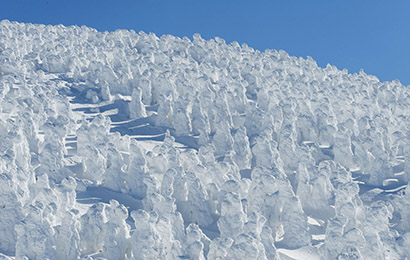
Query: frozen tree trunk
pixel 136 107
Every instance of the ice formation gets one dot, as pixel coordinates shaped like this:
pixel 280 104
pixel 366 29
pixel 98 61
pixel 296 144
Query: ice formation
pixel 123 145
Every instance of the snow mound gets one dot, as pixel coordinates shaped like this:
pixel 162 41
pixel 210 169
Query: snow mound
pixel 123 145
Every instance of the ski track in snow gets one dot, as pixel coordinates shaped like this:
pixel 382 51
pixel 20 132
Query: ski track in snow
pixel 128 146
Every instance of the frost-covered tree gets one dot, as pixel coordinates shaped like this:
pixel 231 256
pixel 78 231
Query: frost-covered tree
pixel 278 154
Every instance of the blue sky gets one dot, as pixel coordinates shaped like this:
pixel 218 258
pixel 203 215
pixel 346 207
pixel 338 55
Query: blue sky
pixel 353 34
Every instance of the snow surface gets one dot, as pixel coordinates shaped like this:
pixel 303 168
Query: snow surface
pixel 123 145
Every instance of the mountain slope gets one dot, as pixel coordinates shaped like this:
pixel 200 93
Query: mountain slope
pixel 121 145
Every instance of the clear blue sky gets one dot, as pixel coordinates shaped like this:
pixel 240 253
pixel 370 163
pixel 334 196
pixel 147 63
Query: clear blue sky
pixel 353 34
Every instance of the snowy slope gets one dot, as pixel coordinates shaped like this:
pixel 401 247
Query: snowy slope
pixel 123 145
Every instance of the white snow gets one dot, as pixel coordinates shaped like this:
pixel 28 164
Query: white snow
pixel 124 145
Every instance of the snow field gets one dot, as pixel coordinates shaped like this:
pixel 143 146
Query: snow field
pixel 123 145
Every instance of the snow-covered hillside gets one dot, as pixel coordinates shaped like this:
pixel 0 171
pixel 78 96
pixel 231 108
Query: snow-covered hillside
pixel 123 145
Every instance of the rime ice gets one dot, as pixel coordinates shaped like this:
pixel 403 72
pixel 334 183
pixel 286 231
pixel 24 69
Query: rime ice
pixel 124 145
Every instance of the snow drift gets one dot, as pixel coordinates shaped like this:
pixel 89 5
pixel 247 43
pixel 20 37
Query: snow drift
pixel 123 145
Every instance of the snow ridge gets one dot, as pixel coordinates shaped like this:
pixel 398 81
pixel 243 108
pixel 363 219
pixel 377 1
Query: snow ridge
pixel 123 145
